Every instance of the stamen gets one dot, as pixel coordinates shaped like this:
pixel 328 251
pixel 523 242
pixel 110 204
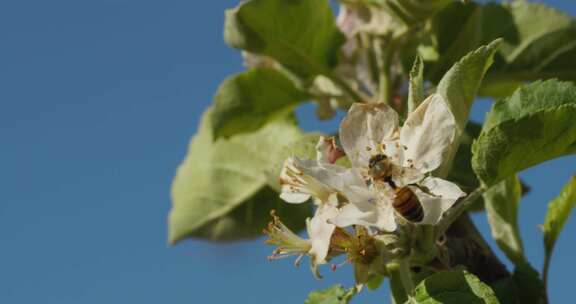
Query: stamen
pixel 333 267
pixel 287 242
pixel 298 260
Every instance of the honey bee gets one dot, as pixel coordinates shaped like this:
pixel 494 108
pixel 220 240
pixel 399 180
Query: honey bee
pixel 406 203
pixel 379 168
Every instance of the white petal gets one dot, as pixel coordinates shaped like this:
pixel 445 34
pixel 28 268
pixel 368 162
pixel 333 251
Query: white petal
pixel 403 176
pixel 328 175
pixel 443 194
pixel 432 206
pixel 301 179
pixel 364 19
pixel 361 210
pixel 364 128
pixel 320 232
pixel 386 220
pixel 427 133
pixel 352 177
pixel 293 197
pixel 355 214
pixel 366 209
pixel 443 188
pixel 393 150
pixel 359 193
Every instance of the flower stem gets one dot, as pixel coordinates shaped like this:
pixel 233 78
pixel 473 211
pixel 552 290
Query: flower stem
pixel 371 53
pixel 385 52
pixel 344 86
pixel 545 276
pixel 424 249
pixel 400 280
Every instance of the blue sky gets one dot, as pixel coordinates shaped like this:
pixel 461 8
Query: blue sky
pixel 99 100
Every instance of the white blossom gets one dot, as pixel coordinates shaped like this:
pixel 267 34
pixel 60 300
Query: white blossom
pixel 356 196
pixel 320 179
pixel 354 18
pixel 412 152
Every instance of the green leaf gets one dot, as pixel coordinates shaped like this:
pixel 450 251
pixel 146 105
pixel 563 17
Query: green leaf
pixel 453 287
pixel 533 125
pixel 524 286
pixel 416 89
pixel 375 281
pixel 454 42
pixel 304 147
pixel 251 217
pixel 534 37
pixel 299 34
pixel 217 177
pixel 531 99
pixel 505 290
pixel 558 212
pixel 412 12
pixel 247 101
pixel 462 172
pixel 332 295
pixel 502 201
pixel 459 86
pixel 529 288
pixel 538 42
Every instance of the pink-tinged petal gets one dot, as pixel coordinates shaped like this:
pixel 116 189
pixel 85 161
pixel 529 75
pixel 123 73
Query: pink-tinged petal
pixel 327 152
pixel 364 128
pixel 427 134
pixel 347 21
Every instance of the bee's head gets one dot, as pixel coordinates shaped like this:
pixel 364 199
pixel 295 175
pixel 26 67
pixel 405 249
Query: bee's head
pixel 374 160
pixel 378 167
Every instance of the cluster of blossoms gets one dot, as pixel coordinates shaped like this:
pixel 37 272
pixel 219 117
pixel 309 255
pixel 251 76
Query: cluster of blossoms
pixel 387 186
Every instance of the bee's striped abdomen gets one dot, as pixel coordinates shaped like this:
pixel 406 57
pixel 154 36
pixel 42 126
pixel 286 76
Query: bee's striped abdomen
pixel 406 203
